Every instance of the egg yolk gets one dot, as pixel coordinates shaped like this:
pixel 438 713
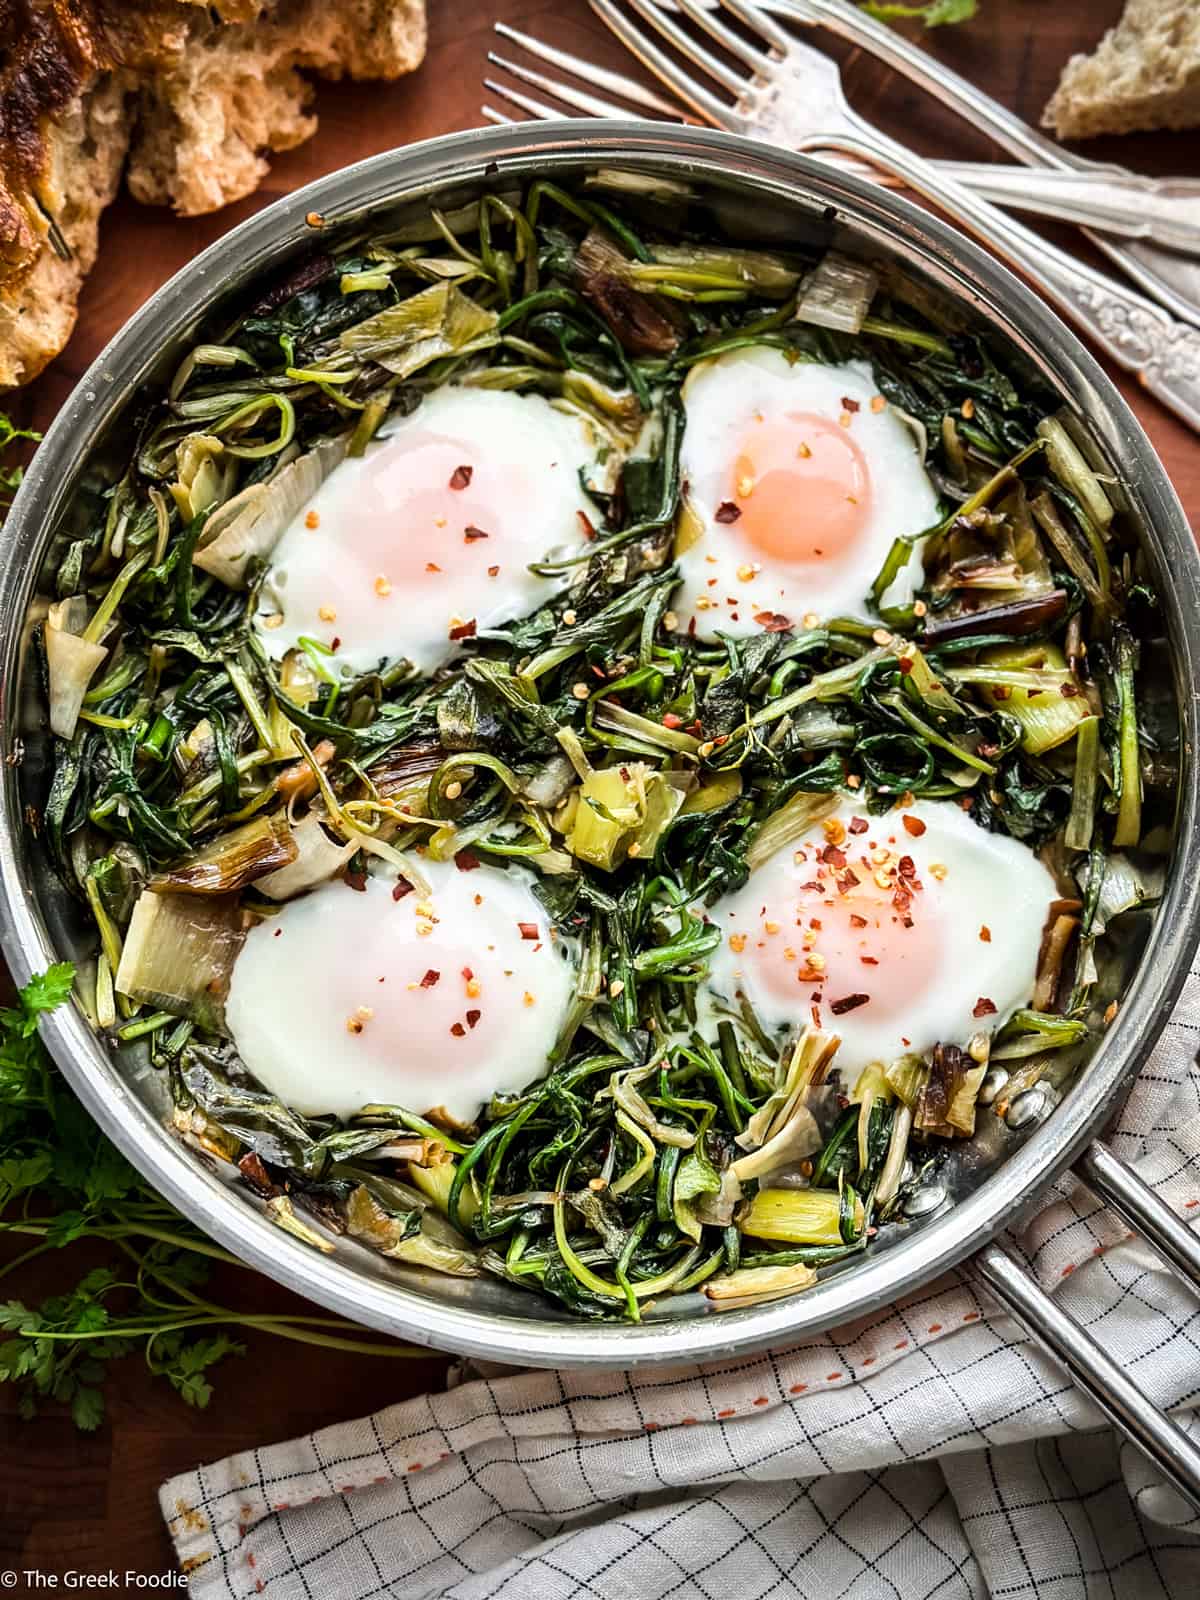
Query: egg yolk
pixel 802 489
pixel 441 1000
pixel 850 933
pixel 428 516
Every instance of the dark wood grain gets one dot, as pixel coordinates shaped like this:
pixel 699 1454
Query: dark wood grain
pixel 89 1503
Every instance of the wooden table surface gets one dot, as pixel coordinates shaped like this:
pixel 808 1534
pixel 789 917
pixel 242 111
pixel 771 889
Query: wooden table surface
pixel 88 1503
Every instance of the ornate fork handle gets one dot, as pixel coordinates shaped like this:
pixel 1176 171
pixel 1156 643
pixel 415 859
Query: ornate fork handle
pixel 1139 335
pixel 1166 210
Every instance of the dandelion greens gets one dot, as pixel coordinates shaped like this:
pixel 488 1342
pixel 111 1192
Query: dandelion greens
pixel 637 771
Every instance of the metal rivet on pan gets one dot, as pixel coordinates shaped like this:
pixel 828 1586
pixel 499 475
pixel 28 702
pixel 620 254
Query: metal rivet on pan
pixel 993 1081
pixel 924 1200
pixel 1027 1108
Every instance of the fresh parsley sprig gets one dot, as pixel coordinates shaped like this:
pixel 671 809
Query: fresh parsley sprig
pixel 933 13
pixel 62 1182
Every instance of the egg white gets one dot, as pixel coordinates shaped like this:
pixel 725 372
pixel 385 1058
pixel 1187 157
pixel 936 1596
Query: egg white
pixel 727 583
pixel 387 561
pixel 966 964
pixel 331 1006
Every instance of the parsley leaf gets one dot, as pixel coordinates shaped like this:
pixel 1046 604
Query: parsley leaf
pixel 63 1181
pixel 47 990
pixel 87 1408
pixel 933 13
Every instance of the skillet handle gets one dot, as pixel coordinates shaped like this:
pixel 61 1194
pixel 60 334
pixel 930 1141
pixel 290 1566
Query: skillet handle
pixel 1136 1203
pixel 1091 1368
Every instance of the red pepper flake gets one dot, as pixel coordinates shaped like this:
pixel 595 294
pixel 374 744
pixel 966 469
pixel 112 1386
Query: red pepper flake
pixel 850 405
pixel 984 1007
pixel 471 533
pixel 461 477
pixel 529 930
pixel 985 933
pixel 432 566
pixel 457 1029
pixel 401 888
pixel 849 1002
pixel 465 630
pixel 466 860
pixel 856 921
pixel 913 825
pixel 847 880
pixel 813 887
pixel 905 665
pixel 467 974
pixel 493 572
pixel 335 644
pixel 473 1017
pixel 906 867
pixel 727 511
pixel 772 621
pixel 832 856
pixel 278 931
pixel 586 524
pixel 869 961
pixel 430 978
pixel 356 880
pixel 858 824
pixel 672 720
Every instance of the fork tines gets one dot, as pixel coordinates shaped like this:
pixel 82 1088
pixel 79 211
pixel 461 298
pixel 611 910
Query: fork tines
pixel 752 62
pixel 570 94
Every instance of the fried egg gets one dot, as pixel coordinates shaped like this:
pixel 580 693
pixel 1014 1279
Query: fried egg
pixel 799 477
pixel 427 538
pixel 896 932
pixel 351 997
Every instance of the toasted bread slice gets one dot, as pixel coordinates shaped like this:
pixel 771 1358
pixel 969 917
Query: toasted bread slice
pixel 195 96
pixel 1145 73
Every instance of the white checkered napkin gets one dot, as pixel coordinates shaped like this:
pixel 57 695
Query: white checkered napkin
pixel 928 1451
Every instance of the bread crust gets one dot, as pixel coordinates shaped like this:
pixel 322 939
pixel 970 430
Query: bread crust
pixel 194 96
pixel 1143 75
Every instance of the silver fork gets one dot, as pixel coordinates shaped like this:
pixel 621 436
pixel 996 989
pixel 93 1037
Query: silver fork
pixel 792 96
pixel 1172 279
pixel 1116 201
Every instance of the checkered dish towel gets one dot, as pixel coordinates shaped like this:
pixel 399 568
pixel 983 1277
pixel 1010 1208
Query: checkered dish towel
pixel 926 1451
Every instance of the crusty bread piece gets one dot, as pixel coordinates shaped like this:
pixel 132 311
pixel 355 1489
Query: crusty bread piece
pixel 194 94
pixel 226 94
pixel 1145 73
pixel 84 153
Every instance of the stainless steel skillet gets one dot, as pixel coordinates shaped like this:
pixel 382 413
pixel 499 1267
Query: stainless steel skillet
pixel 750 193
